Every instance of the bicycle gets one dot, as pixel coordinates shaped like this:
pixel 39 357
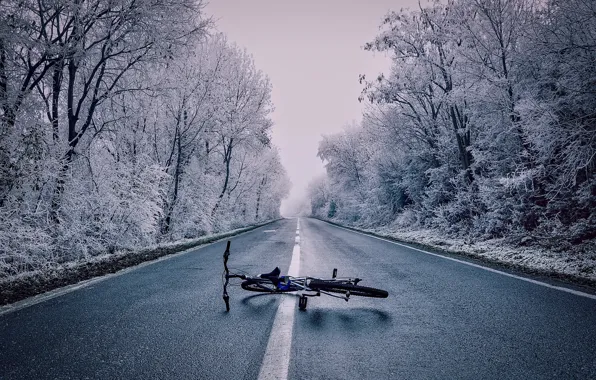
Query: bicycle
pixel 273 283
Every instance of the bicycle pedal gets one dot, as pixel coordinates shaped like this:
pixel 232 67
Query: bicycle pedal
pixel 302 302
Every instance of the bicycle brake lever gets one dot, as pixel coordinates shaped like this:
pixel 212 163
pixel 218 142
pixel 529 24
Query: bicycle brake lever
pixel 226 255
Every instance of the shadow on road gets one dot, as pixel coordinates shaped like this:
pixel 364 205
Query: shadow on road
pixel 349 318
pixel 259 302
pixel 254 304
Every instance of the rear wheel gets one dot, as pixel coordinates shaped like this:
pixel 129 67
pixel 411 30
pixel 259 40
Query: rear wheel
pixel 343 288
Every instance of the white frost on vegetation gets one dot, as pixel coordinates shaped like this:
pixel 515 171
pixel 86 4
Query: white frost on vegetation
pixel 497 250
pixel 482 136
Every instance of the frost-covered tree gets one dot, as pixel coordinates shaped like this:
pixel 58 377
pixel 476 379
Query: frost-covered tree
pixel 482 127
pixel 126 123
pixel 320 199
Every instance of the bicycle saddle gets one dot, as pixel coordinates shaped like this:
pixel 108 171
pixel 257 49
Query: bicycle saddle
pixel 273 276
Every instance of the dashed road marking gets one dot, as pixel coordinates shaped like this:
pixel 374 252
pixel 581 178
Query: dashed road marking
pixel 276 362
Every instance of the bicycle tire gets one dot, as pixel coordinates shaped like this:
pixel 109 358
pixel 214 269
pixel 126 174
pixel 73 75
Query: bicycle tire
pixel 343 288
pixel 265 286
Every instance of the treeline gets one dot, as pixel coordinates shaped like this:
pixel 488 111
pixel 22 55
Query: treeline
pixel 125 123
pixel 484 127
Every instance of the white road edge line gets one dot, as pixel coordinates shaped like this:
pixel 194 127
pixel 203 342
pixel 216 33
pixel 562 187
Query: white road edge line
pixel 276 362
pixel 567 290
pixel 85 283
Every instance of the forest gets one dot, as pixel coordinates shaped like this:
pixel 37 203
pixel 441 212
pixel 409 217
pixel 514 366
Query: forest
pixel 125 124
pixel 484 127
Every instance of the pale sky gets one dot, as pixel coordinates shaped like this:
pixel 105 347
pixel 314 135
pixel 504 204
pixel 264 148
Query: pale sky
pixel 312 52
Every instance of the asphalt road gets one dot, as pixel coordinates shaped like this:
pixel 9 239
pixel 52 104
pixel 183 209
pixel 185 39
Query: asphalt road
pixel 442 320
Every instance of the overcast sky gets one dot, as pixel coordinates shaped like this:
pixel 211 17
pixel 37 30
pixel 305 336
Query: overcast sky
pixel 312 52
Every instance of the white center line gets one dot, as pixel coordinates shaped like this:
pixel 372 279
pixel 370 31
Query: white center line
pixel 276 362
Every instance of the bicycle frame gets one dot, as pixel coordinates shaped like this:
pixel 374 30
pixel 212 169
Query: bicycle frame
pixel 283 286
pixel 301 282
pixel 306 286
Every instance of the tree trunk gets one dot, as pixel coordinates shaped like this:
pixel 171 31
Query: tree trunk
pixel 56 87
pixel 177 174
pixel 259 192
pixel 72 140
pixel 227 159
pixel 462 136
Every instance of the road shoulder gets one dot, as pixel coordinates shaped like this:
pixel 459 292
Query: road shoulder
pixel 74 274
pixel 543 266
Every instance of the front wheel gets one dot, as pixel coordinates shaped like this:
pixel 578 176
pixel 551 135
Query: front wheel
pixel 343 288
pixel 266 286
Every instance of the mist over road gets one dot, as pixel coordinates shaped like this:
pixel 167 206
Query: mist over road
pixel 443 319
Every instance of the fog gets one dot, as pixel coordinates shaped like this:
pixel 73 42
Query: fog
pixel 312 52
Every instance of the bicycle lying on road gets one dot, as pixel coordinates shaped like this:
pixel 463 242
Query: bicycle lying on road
pixel 273 283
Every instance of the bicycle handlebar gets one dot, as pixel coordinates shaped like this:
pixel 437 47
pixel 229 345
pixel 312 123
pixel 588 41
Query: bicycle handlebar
pixel 226 297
